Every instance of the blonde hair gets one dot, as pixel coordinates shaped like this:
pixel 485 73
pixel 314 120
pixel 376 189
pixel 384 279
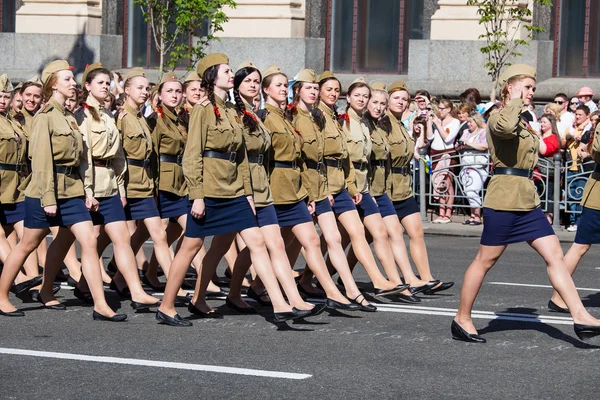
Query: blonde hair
pixel 555 108
pixel 477 118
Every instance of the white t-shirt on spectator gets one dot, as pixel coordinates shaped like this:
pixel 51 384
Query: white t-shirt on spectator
pixel 567 119
pixel 592 106
pixel 440 144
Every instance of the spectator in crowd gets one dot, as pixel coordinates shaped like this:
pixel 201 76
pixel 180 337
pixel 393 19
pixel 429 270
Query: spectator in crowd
pixel 488 109
pixel 423 102
pixel 72 102
pixel 573 104
pixel 585 96
pixel 116 85
pixel 585 147
pixel 567 118
pixel 472 147
pixel 472 97
pixel 562 127
pixel 549 146
pixel 528 113
pixel 445 129
pixel 109 103
pixel 575 181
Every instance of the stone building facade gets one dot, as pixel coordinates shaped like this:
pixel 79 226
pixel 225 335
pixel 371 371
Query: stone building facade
pixel 430 44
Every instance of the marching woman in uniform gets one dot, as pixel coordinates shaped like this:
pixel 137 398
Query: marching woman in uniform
pixel 293 204
pixel 139 180
pixel 218 178
pixel 13 175
pixel 402 147
pixel 511 212
pixel 192 93
pixel 103 171
pixel 258 143
pixel 55 197
pixel 347 185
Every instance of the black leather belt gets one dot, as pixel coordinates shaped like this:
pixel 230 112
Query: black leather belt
pixel 332 162
pixel 525 173
pixel 259 159
pixel 230 156
pixel 401 170
pixel 62 169
pixel 378 163
pixel 596 173
pixel 314 165
pixel 168 158
pixel 138 163
pixel 361 166
pixel 12 167
pixel 285 164
pixel 102 163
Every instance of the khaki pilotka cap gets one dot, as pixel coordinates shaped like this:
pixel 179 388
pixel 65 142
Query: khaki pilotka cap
pixel 35 80
pixel 397 85
pixel 211 60
pixel 168 77
pixel 516 69
pixel 193 76
pixel 272 70
pixel 247 64
pixel 307 75
pixel 5 85
pixel 135 72
pixel 55 66
pixel 19 86
pixel 327 75
pixel 89 68
pixel 380 86
pixel 359 80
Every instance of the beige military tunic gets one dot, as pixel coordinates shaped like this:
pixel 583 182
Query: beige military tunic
pixel 312 152
pixel 341 176
pixel 55 141
pixel 380 166
pixel 104 167
pixel 13 151
pixel 286 184
pixel 214 177
pixel 402 147
pixel 591 192
pixel 512 143
pixel 169 138
pixel 359 148
pixel 137 145
pixel 258 144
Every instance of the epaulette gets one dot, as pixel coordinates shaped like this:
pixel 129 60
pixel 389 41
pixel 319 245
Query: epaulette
pixel 204 101
pixel 262 114
pixel 47 108
pixel 121 115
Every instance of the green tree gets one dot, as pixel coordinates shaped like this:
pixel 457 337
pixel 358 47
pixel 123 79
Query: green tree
pixel 503 20
pixel 177 27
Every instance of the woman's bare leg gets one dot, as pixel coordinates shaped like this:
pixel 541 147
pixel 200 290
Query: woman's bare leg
pixel 572 258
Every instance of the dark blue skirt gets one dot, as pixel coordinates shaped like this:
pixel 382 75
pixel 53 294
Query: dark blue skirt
pixel 343 202
pixel 138 209
pixel 406 207
pixel 367 206
pixel 110 210
pixel 323 206
pixel 385 205
pixel 12 213
pixel 588 229
pixel 505 227
pixel 171 206
pixel 292 214
pixel 221 216
pixel 68 212
pixel 266 216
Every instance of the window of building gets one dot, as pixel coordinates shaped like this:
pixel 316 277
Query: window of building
pixel 7 15
pixel 576 45
pixel 371 35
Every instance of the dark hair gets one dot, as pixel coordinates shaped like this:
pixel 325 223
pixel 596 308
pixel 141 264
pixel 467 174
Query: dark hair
pixel 562 95
pixel 248 119
pixel 584 108
pixel 208 83
pixel 112 101
pixel 324 81
pixel 419 120
pixel 27 85
pixel 552 119
pixel 88 79
pixel 385 123
pixel 423 93
pixel 470 96
pixel 316 113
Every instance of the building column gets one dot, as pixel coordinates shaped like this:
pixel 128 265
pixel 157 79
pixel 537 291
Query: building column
pixel 265 18
pixel 60 17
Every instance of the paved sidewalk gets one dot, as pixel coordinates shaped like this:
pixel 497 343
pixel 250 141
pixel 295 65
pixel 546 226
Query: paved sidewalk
pixel 457 229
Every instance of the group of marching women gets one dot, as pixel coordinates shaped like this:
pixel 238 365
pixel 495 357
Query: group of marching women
pixel 256 181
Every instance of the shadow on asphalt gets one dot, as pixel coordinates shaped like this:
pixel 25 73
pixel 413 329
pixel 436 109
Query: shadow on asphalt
pixel 500 325
pixel 592 300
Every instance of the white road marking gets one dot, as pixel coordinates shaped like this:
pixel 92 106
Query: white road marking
pixel 158 364
pixel 537 286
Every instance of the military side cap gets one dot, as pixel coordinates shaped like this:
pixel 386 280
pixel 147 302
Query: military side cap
pixel 135 72
pixel 193 76
pixel 89 68
pixel 326 75
pixel 211 60
pixel 272 70
pixel 307 75
pixel 379 86
pixel 247 64
pixel 169 77
pixel 35 80
pixel 55 66
pixel 359 80
pixel 5 85
pixel 19 86
pixel 515 70
pixel 397 85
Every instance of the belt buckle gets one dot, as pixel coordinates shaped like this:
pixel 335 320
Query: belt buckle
pixel 530 174
pixel 261 159
pixel 339 164
pixel 18 167
pixel 146 163
pixel 68 170
pixel 232 157
pixel 319 166
pixel 179 159
pixel 294 165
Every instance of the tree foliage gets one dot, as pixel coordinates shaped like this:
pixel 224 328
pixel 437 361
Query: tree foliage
pixel 181 29
pixel 503 20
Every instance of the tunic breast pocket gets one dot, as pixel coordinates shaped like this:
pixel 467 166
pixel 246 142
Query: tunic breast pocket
pixel 255 142
pixel 64 145
pixel 98 138
pixel 8 148
pixel 221 138
pixel 135 145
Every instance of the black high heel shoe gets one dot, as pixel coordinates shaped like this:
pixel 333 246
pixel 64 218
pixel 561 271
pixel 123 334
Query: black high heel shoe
pixel 146 281
pixel 209 315
pixel 585 332
pixel 34 293
pixel 441 287
pixel 258 297
pixel 336 305
pixel 404 298
pixel 143 306
pixel 25 286
pixel 86 297
pixel 458 333
pixel 125 293
pixel 163 318
pixel 241 310
pixel 294 314
pixel 56 307
pixel 363 307
pixel 12 313
pixel 389 292
pixel 552 306
pixel 422 288
pixel 115 318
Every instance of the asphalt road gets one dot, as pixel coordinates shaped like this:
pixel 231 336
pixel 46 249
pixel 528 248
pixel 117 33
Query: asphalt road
pixel 399 352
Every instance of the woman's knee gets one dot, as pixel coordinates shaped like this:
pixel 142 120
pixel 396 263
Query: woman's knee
pixel 333 238
pixel 275 244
